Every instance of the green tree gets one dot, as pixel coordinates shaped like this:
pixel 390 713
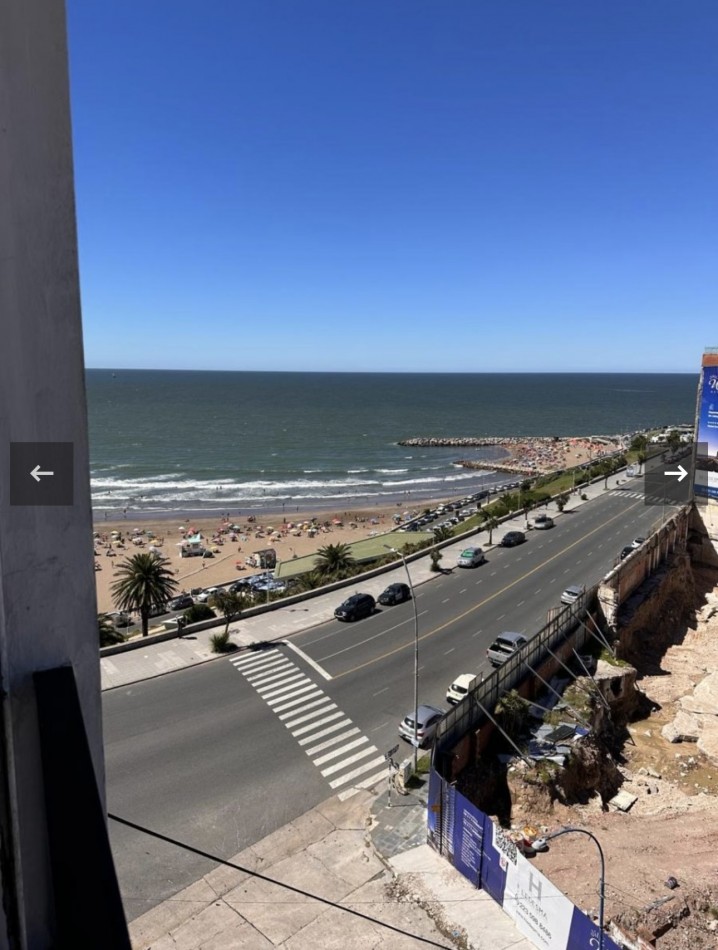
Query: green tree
pixel 491 523
pixel 334 560
pixel 673 440
pixel 639 443
pixel 229 605
pixel 109 634
pixel 197 613
pixel 641 461
pixel 561 502
pixel 144 583
pixel 435 557
pixel 442 534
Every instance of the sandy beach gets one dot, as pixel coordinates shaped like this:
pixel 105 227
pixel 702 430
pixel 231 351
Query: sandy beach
pixel 289 533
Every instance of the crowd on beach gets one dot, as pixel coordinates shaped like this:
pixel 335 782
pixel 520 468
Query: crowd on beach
pixel 543 455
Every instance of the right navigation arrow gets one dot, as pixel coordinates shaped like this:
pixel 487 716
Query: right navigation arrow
pixel 681 473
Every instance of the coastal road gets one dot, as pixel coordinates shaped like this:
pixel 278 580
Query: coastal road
pixel 220 755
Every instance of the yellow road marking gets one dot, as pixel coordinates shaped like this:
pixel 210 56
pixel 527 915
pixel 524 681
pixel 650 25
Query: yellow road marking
pixel 486 600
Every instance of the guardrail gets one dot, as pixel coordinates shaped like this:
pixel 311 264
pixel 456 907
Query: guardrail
pixel 469 714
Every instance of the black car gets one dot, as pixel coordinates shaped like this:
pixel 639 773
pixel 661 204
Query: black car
pixel 395 594
pixel 181 602
pixel 629 549
pixel 356 607
pixel 512 538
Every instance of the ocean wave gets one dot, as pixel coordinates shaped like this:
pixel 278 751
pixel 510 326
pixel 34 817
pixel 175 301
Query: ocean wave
pixel 391 471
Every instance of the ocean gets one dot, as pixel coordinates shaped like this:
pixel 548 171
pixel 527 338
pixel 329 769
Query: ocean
pixel 194 442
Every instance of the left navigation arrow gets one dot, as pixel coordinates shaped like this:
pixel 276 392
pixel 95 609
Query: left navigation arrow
pixel 36 473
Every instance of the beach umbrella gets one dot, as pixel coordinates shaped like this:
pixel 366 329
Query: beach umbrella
pixel 115 533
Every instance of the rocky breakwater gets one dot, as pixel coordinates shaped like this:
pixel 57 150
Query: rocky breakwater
pixel 523 456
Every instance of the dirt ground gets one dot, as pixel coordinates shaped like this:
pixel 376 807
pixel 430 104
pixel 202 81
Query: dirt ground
pixel 671 830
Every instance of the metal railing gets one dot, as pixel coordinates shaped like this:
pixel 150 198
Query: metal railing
pixel 468 714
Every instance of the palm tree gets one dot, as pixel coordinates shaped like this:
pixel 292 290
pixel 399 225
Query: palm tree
pixel 144 582
pixel 230 605
pixel 333 560
pixel 491 522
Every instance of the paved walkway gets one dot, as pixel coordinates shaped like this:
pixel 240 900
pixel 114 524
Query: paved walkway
pixel 353 872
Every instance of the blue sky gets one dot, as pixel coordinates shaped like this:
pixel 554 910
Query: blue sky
pixel 479 185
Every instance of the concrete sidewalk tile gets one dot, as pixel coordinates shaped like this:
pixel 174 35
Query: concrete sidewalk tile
pixel 215 920
pixel 349 814
pixel 346 854
pixel 223 879
pixel 170 914
pixel 292 838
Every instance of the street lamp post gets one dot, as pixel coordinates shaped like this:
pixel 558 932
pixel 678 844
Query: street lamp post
pixel 602 882
pixel 416 651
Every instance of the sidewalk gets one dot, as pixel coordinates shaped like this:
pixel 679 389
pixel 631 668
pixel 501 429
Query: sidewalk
pixel 355 874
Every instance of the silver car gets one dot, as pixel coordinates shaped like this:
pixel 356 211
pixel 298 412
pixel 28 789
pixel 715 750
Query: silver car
pixel 427 720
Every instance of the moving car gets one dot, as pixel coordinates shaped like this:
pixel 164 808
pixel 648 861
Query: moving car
pixel 356 607
pixel 470 557
pixel 460 687
pixel 181 602
pixel 395 594
pixel 504 646
pixel 513 538
pixel 427 719
pixel 543 522
pixel 572 593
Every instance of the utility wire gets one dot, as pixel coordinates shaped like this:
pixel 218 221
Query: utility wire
pixel 263 877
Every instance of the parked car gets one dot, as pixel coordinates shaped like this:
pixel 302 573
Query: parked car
pixel 637 542
pixel 543 522
pixel 572 593
pixel 471 557
pixel 427 720
pixel 513 538
pixel 158 610
pixel 627 550
pixel 181 602
pixel 395 594
pixel 203 597
pixel 460 687
pixel 356 607
pixel 504 646
pixel 120 618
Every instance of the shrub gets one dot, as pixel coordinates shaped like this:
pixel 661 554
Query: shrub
pixel 198 612
pixel 221 643
pixel 435 558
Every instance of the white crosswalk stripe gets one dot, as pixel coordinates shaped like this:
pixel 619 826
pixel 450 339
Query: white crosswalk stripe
pixel 316 722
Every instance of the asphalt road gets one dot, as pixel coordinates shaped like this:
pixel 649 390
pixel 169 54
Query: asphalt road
pixel 217 757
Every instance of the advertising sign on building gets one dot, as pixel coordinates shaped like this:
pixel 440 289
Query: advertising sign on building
pixel 706 468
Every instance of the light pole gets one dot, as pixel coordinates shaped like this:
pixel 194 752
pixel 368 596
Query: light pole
pixel 602 882
pixel 416 650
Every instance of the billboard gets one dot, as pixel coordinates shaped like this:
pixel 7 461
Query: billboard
pixel 706 465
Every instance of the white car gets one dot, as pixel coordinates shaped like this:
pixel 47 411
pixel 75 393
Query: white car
pixel 460 687
pixel 541 522
pixel 470 557
pixel 206 594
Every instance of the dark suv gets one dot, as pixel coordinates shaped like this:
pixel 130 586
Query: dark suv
pixel 513 538
pixel 356 607
pixel 395 594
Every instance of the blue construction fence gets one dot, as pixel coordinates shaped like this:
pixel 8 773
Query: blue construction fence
pixel 479 849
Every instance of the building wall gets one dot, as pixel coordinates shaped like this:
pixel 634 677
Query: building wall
pixel 47 586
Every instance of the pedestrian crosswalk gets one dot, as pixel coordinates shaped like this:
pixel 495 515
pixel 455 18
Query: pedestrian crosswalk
pixel 651 499
pixel 344 757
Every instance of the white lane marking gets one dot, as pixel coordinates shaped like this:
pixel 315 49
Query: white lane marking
pixel 362 754
pixel 446 601
pixel 320 722
pixel 269 692
pixel 447 652
pixel 362 768
pixel 302 699
pixel 463 591
pixel 493 573
pixel 537 591
pixel 262 680
pixel 309 660
pixel 382 633
pixel 348 746
pixel 326 732
pixel 381 726
pixel 365 783
pixel 297 692
pixel 293 712
pixel 257 662
pixel 285 677
pixel 521 603
pixel 254 674
pixel 501 617
pixel 291 723
pixel 381 691
pixel 334 739
pixel 552 581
